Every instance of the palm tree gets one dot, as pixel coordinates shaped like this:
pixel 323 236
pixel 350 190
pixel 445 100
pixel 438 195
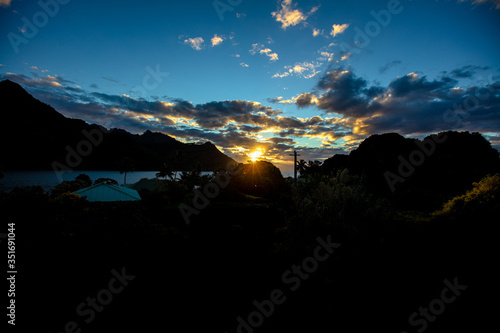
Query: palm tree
pixel 178 161
pixel 302 167
pixel 125 165
pixel 165 171
pixel 313 167
pixel 191 178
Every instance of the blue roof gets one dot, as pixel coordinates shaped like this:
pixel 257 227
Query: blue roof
pixel 107 192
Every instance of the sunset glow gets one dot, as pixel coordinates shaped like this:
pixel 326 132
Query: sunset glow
pixel 254 156
pixel 250 165
pixel 316 76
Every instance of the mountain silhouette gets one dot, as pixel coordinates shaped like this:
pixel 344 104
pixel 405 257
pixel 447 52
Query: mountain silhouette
pixel 34 136
pixel 423 172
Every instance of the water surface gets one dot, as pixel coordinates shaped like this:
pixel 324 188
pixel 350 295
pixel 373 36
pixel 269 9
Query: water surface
pixel 48 179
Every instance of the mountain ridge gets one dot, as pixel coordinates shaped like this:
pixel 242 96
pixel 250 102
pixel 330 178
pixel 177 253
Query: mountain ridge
pixel 46 137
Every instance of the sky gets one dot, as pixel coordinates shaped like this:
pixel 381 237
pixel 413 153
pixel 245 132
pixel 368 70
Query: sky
pixel 273 76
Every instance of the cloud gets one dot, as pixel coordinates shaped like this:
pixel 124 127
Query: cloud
pixel 272 55
pixel 326 56
pixel 217 40
pixel 281 75
pixel 242 64
pixel 338 29
pixel 195 43
pixel 305 70
pixel 235 126
pixel 345 56
pixel 467 72
pixel 279 100
pixel 317 32
pixel 413 84
pixel 410 105
pixel 260 48
pixel 5 3
pixel 288 15
pixel 45 82
pixel 255 48
pixel 38 69
pixel 110 79
pixel 345 94
pixel 304 100
pixel 495 3
pixel 388 65
pixel 350 108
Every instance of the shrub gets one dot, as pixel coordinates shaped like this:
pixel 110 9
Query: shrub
pixel 339 202
pixel 482 198
pixel 66 187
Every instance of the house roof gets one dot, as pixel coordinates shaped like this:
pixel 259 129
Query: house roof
pixel 107 192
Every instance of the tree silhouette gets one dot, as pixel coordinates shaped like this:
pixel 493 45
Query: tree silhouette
pixel 313 167
pixel 309 168
pixel 302 167
pixel 191 178
pixel 108 181
pixel 125 165
pixel 165 171
pixel 84 180
pixel 177 161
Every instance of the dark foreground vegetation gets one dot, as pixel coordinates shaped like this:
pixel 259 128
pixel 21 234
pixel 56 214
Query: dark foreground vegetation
pixel 393 250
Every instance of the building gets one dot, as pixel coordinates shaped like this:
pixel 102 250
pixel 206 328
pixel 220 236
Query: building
pixel 106 193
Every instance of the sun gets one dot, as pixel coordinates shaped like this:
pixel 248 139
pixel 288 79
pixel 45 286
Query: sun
pixel 254 156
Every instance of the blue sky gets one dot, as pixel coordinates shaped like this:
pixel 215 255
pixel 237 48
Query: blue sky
pixel 317 76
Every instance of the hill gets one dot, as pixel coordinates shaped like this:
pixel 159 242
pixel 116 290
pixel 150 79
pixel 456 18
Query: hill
pixel 422 172
pixel 34 136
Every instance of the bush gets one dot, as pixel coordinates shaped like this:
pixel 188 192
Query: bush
pixel 70 199
pixel 340 202
pixel 483 198
pixel 66 187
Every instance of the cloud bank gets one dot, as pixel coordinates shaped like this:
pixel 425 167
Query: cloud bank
pixel 348 109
